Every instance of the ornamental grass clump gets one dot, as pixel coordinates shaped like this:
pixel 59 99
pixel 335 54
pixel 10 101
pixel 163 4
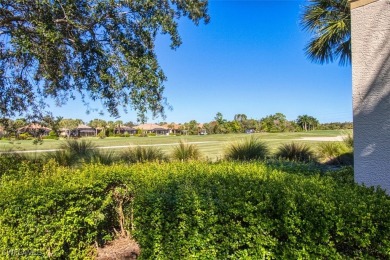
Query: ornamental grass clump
pixel 186 152
pixel 80 149
pixel 335 153
pixel 297 152
pixel 247 150
pixel 62 157
pixel 348 141
pixel 141 154
pixel 74 152
pixel 106 158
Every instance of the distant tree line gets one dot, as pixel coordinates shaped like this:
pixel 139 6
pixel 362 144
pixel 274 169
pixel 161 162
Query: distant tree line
pixel 274 123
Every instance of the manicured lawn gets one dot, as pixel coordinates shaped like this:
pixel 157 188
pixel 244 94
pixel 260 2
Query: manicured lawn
pixel 212 146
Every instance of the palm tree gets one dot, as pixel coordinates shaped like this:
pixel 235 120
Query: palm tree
pixel 313 123
pixel 303 121
pixel 240 117
pixel 330 22
pixel 118 124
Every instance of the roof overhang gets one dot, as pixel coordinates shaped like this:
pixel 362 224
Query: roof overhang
pixel 358 3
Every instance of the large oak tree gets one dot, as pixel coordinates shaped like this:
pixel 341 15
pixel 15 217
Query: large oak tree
pixel 102 49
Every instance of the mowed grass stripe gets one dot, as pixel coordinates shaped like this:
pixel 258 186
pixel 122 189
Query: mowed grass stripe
pixel 211 146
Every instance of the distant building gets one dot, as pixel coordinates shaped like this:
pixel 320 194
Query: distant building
pixel 174 128
pixel 125 130
pixel 84 131
pixel 153 128
pixel 35 130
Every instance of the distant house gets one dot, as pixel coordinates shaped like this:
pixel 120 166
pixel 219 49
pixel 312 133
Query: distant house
pixel 125 130
pixel 203 132
pixel 173 128
pixel 35 130
pixel 153 128
pixel 2 132
pixel 201 129
pixel 65 132
pixel 84 131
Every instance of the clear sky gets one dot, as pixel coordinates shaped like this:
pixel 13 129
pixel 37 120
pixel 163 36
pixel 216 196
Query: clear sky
pixel 248 60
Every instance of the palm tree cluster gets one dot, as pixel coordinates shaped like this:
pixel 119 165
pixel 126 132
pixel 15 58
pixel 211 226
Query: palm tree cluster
pixel 307 122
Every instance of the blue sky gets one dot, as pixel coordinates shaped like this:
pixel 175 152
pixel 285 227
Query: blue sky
pixel 248 60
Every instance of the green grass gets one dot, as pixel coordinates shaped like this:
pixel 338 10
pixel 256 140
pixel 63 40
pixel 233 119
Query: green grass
pixel 211 146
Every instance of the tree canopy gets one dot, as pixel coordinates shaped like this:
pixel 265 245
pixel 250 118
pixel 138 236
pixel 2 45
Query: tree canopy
pixel 104 50
pixel 330 23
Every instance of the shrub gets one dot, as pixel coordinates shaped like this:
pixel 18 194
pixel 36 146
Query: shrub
pixel 10 162
pixel 50 137
pixel 298 152
pixel 106 158
pixel 185 152
pixel 348 141
pixel 140 154
pixel 335 153
pixel 81 149
pixel 24 136
pixel 101 135
pixel 62 157
pixel 75 152
pixel 195 210
pixel 247 150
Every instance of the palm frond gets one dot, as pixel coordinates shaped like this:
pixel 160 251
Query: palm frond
pixel 330 22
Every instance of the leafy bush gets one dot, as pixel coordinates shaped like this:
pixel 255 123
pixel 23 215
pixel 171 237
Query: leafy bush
pixel 12 163
pixel 247 150
pixel 295 152
pixel 185 152
pixel 102 134
pixel 140 154
pixel 195 210
pixel 52 136
pixel 24 136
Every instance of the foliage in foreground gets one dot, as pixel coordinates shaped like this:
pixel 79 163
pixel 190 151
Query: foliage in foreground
pixel 77 152
pixel 186 152
pixel 336 153
pixel 298 152
pixel 247 150
pixel 195 210
pixel 140 154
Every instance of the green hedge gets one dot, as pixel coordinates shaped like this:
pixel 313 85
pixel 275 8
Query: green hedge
pixel 194 210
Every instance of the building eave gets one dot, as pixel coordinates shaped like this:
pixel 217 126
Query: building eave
pixel 358 3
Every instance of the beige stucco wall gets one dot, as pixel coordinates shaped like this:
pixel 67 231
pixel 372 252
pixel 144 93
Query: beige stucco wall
pixel 371 92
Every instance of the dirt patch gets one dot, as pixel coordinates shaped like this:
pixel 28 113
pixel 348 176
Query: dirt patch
pixel 119 249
